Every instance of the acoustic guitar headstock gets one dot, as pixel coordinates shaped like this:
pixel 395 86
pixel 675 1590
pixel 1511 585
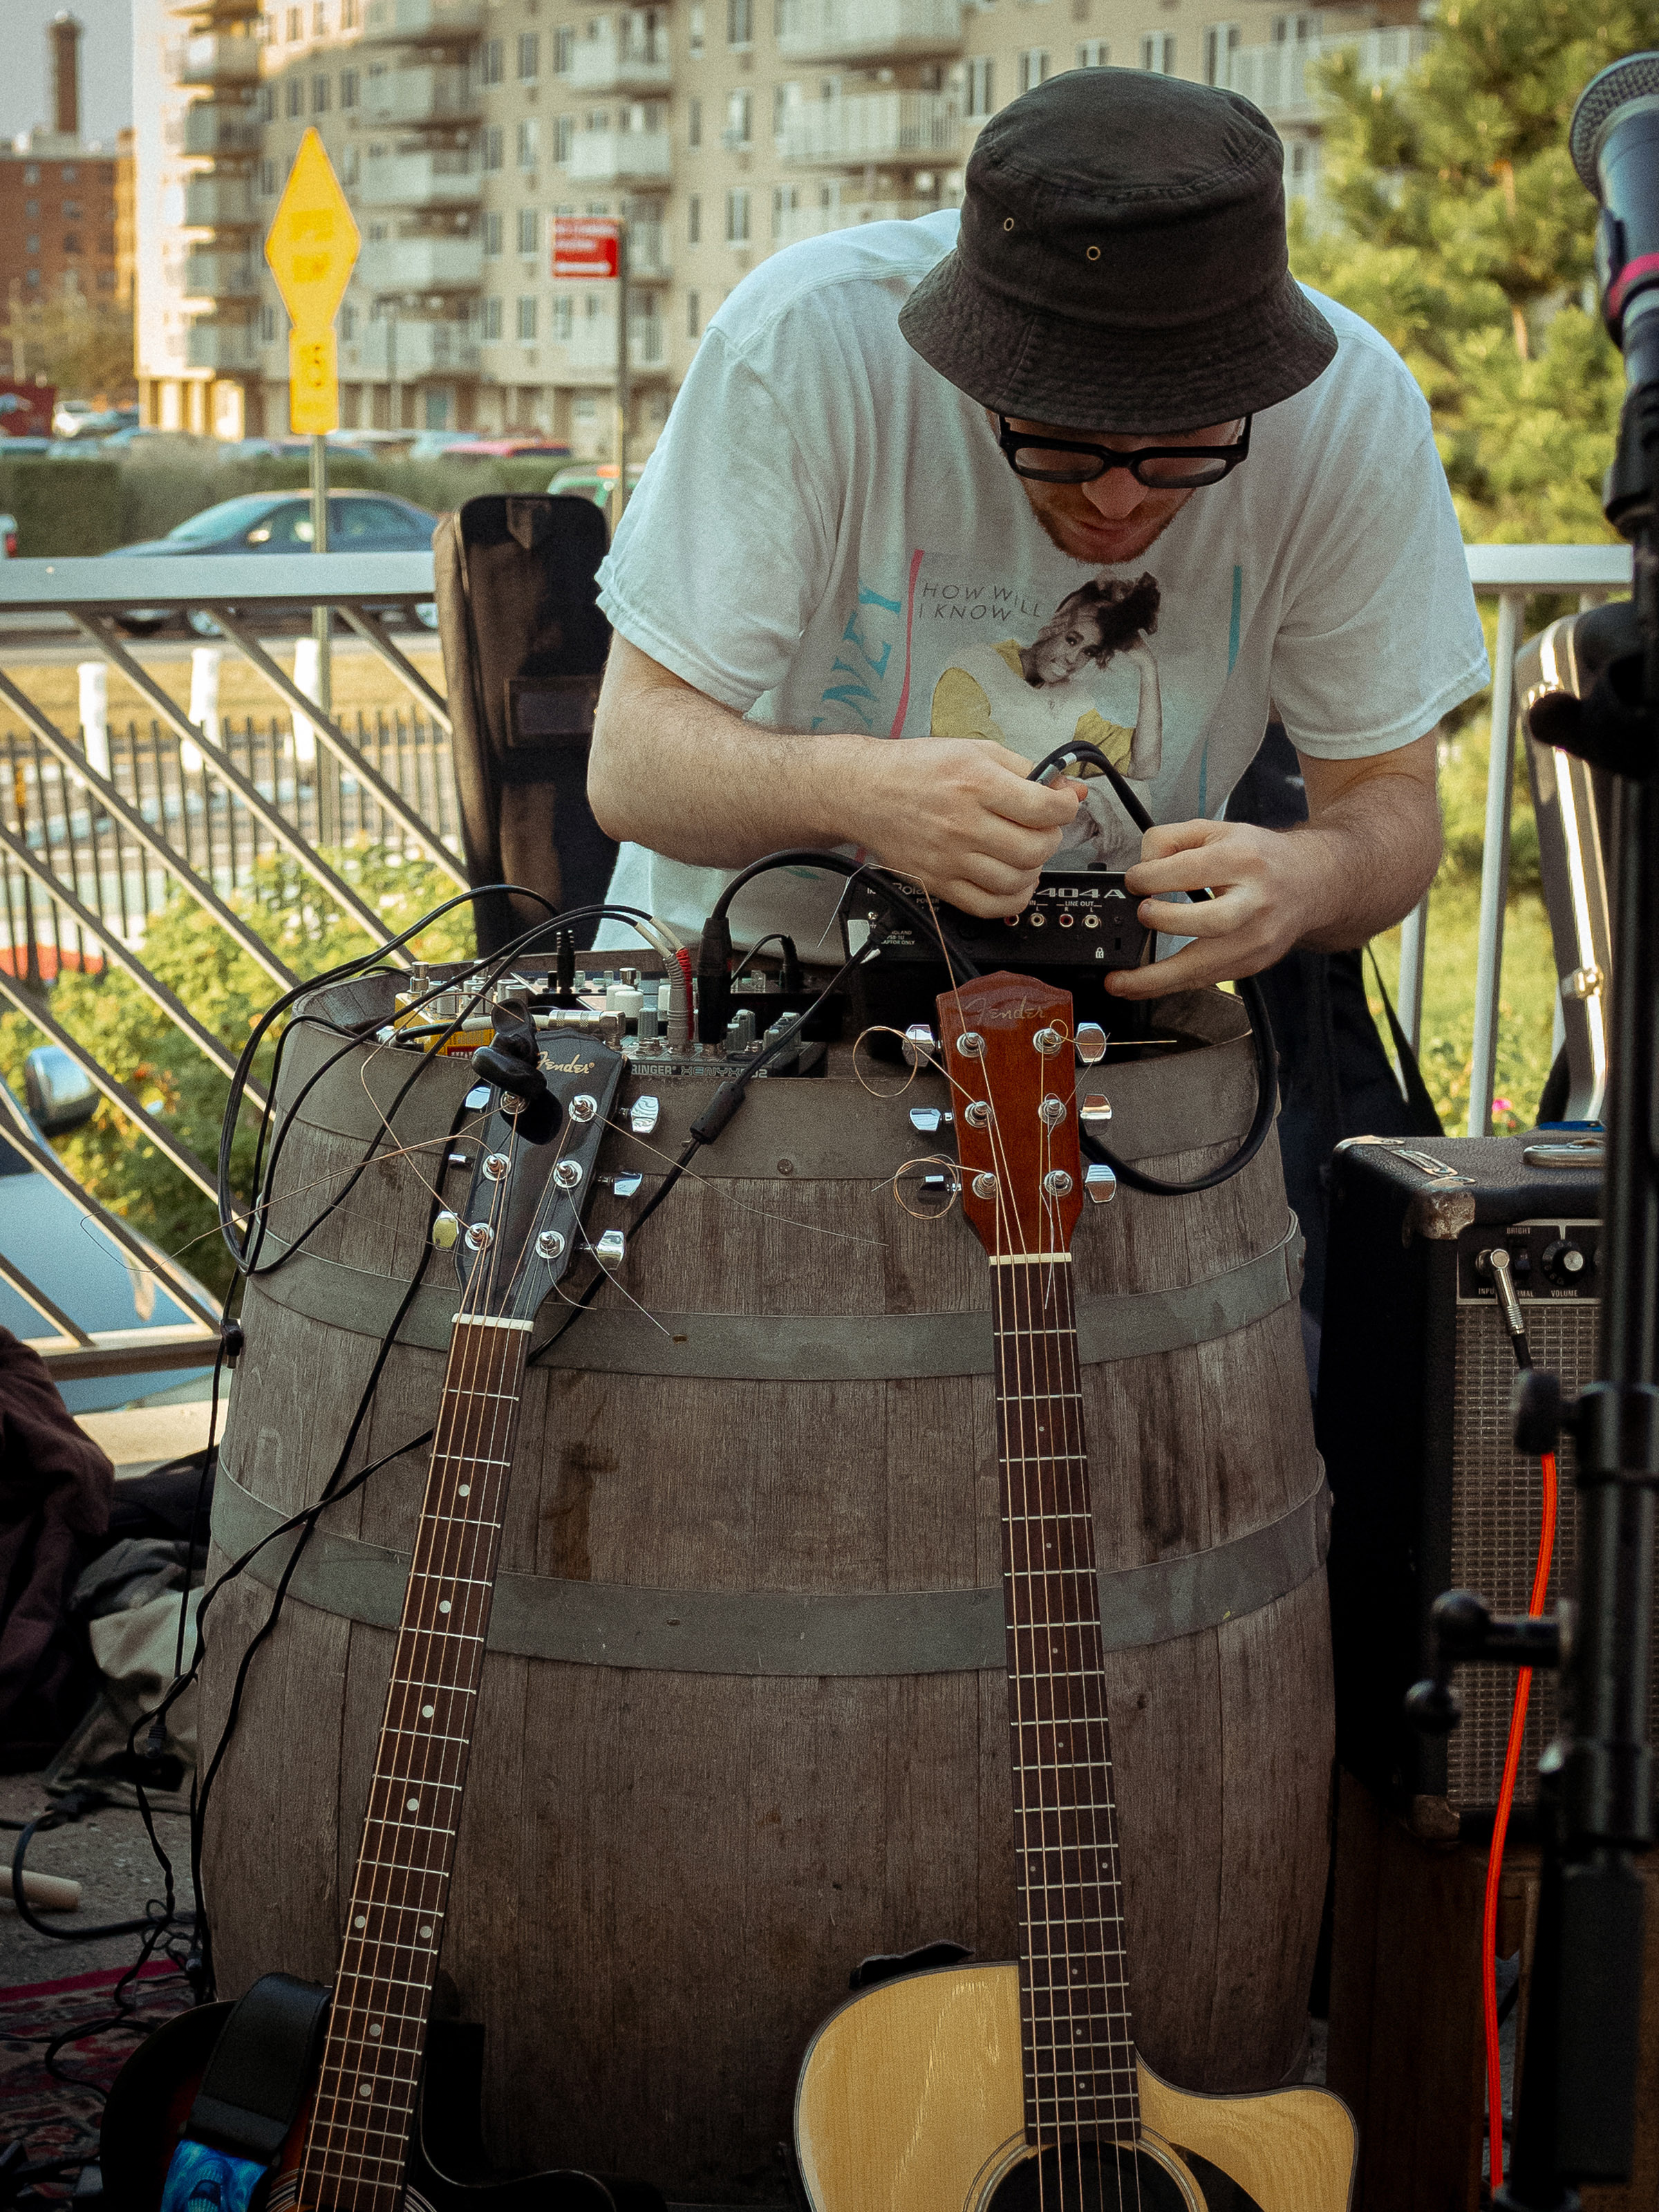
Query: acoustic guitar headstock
pixel 1009 1052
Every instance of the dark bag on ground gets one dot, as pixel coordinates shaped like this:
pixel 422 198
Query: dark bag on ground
pixel 524 646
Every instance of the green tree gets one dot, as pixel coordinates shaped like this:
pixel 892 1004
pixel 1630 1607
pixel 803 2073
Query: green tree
pixel 1453 220
pixel 84 347
pixel 226 992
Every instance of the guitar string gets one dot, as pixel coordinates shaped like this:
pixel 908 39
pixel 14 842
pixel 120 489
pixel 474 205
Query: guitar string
pixel 346 2028
pixel 474 1345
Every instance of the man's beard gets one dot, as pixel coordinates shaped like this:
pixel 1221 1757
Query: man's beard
pixel 1053 526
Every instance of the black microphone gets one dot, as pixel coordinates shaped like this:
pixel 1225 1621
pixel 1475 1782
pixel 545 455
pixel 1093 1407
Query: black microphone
pixel 1614 142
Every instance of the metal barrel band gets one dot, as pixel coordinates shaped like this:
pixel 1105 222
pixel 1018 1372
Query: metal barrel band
pixel 786 1633
pixel 800 1347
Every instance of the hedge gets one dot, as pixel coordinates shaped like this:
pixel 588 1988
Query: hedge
pixel 67 507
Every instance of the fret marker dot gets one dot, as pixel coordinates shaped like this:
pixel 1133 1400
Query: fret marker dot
pixel 359 1922
pixel 426 1931
pixel 414 1805
pixel 443 1605
pixel 374 2027
pixel 362 2089
pixel 464 1490
pixel 426 1712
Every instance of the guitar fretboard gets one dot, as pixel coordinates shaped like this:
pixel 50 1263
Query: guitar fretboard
pixel 1074 2000
pixel 356 2148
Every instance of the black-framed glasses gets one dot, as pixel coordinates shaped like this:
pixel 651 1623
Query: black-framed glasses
pixel 1161 468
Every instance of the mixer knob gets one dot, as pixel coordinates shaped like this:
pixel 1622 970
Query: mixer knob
pixel 1566 1264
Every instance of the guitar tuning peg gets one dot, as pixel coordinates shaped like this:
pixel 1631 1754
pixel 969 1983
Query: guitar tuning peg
pixel 643 1115
pixel 1100 1183
pixel 611 1248
pixel 446 1231
pixel 1091 1042
pixel 925 1120
pixel 1096 1107
pixel 919 1044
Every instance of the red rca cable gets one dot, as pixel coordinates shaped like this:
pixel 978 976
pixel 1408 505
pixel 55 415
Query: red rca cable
pixel 1509 1306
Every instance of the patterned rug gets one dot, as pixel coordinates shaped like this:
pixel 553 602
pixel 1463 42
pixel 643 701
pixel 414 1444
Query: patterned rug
pixel 54 2118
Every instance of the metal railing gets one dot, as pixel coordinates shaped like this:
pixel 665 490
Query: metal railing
pixel 101 821
pixel 95 840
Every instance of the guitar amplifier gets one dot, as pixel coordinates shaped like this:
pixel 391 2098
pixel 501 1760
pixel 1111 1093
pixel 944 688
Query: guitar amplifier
pixel 1416 1369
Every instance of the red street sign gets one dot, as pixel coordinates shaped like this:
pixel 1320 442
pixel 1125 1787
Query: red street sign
pixel 584 245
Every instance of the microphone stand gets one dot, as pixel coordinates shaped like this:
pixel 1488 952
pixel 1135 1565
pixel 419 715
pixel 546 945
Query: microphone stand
pixel 1576 2117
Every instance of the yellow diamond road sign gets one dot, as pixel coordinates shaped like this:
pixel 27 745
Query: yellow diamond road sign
pixel 312 247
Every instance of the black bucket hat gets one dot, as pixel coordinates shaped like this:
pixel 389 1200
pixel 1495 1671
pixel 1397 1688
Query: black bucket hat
pixel 1122 263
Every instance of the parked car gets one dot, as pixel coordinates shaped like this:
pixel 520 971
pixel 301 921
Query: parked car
pixel 595 480
pixel 64 1254
pixel 506 449
pixel 136 438
pixel 21 446
pixel 432 445
pixel 8 536
pixel 280 522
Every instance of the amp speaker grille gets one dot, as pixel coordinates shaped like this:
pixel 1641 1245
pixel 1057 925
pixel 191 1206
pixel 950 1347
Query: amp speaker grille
pixel 1496 1510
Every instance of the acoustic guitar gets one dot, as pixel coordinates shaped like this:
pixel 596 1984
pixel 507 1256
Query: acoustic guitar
pixel 995 2087
pixel 340 2101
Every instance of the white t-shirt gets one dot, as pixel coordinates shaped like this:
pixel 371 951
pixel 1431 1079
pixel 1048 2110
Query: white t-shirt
pixel 828 537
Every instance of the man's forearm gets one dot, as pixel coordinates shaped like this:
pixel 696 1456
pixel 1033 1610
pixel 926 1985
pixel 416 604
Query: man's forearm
pixel 1371 853
pixel 680 772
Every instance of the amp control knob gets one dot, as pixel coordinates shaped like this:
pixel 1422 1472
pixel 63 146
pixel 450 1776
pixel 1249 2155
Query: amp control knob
pixel 1566 1265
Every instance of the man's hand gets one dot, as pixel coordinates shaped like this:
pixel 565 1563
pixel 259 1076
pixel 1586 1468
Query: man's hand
pixel 1365 857
pixel 961 815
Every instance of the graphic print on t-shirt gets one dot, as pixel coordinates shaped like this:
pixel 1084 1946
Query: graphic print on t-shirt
pixel 1065 684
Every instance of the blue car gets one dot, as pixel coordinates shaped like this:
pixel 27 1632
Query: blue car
pixel 280 522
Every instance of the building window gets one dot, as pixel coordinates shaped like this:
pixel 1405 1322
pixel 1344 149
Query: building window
pixel 564 131
pixel 1157 53
pixel 489 323
pixel 694 123
pixel 693 315
pixel 529 231
pixel 267 180
pixel 1033 67
pixel 319 89
pixel 736 217
pixel 1220 40
pixel 1294 30
pixel 319 19
pixel 527 139
pixel 348 323
pixel 71 209
pixel 739 133
pixel 32 174
pixel 296 26
pixel 31 245
pixel 268 324
pixel 492 234
pixel 526 318
pixel 267 103
pixel 740 23
pixel 348 88
pixel 563 318
pixel 295 96
pixel 694 220
pixel 490 146
pixel 980 87
pixel 529 57
pixel 348 14
pixel 1093 53
pixel 696 29
pixel 491 65
pixel 564 49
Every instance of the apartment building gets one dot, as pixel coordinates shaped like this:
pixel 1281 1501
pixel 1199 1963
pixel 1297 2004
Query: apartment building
pixel 723 129
pixel 62 197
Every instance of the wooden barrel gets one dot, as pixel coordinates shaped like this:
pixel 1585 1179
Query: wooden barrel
pixel 744 1721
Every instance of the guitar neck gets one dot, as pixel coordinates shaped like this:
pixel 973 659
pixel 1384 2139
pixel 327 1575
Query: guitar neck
pixel 1076 2023
pixel 356 2147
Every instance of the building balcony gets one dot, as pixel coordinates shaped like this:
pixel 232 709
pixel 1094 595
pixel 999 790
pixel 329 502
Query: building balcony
pixel 442 177
pixel 649 261
pixel 405 348
pixel 432 93
pixel 862 128
pixel 219 57
pixel 604 63
pixel 1283 80
pixel 588 356
pixel 221 129
pixel 419 21
pixel 620 157
pixel 219 203
pixel 858 32
pixel 230 349
pixel 791 225
pixel 417 266
pixel 212 275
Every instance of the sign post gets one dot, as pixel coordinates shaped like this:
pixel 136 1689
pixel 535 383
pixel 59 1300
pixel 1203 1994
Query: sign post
pixel 311 249
pixel 596 247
